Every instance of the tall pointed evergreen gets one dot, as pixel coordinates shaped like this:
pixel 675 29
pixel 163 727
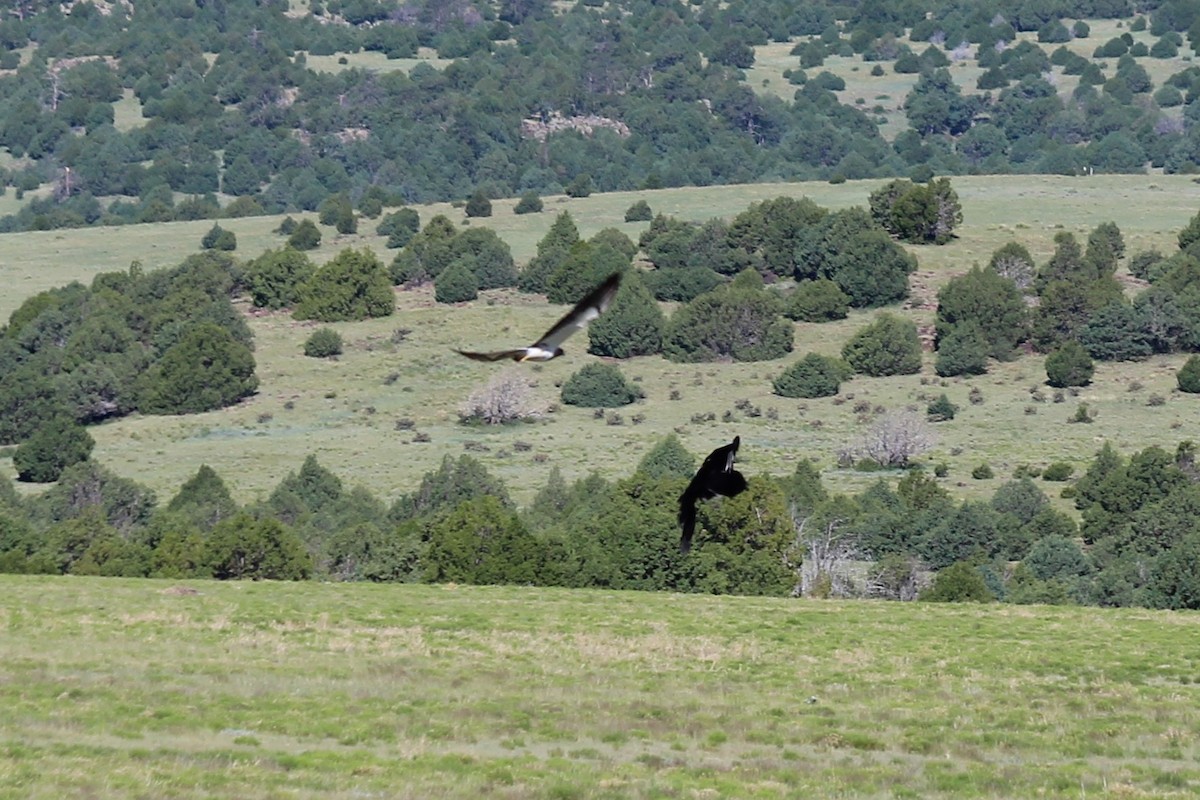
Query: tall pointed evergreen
pixel 552 251
pixel 633 326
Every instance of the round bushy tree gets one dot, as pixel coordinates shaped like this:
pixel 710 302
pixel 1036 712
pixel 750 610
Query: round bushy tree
pixel 355 285
pixel 1188 376
pixel 275 277
pixel 219 238
pixel 633 326
pixel 599 385
pixel 52 448
pixel 306 236
pixel 456 283
pixel 739 320
pixel 479 205
pixel 400 227
pixel 488 256
pixel 817 300
pixel 323 343
pixel 639 212
pixel 888 346
pixel 958 583
pixel 1069 365
pixel 529 203
pixel 962 351
pixel 206 369
pixel 814 375
pixel 668 458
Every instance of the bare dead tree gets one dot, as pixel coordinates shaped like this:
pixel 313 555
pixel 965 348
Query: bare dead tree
pixel 895 438
pixel 506 398
pixel 828 548
pixel 895 578
pixel 1019 270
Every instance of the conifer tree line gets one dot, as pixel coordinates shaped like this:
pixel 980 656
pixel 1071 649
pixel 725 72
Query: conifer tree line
pixel 1137 543
pixel 188 110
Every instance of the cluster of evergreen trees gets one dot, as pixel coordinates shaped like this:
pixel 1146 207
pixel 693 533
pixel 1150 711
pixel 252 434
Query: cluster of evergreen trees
pixel 163 342
pixel 230 106
pixel 781 536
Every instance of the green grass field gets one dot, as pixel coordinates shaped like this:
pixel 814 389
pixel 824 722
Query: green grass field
pixel 346 411
pixel 151 689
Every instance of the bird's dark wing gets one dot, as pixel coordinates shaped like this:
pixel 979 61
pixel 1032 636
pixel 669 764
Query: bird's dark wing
pixel 716 476
pixel 687 520
pixel 584 312
pixel 499 355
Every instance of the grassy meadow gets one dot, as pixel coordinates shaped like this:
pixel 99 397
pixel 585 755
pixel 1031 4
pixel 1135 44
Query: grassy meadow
pixel 361 413
pixel 156 689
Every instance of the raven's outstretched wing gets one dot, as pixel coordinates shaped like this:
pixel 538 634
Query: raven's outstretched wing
pixel 716 476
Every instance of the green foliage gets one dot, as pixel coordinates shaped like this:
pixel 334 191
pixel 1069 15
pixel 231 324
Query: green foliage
pixel 962 351
pixel 204 498
pixel 53 447
pixel 354 285
pixel 887 346
pixel 452 483
pixel 481 541
pixel 1058 471
pixel 960 582
pixel 599 385
pixel 529 203
pixel 456 283
pixel 478 205
pixel 206 369
pixel 632 326
pixel 769 231
pixel 1056 557
pixel 1115 332
pixel 814 375
pixel 487 255
pixel 400 227
pixel 306 236
pixel 918 213
pixel 991 302
pixel 586 266
pixel 1174 580
pixel 1069 365
pixel 738 321
pixel 639 212
pixel 668 459
pixel 219 238
pixel 983 472
pixel 817 300
pixel 552 251
pixel 245 548
pixel 941 409
pixel 580 186
pixel 323 343
pixel 275 278
pixel 1188 376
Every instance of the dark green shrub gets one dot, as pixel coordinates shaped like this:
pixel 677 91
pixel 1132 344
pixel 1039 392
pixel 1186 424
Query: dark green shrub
pixel 456 283
pixel 323 343
pixel 479 205
pixel 1069 365
pixel 52 448
pixel 888 346
pixel 958 583
pixel 1188 376
pixel 817 300
pixel 218 238
pixel 400 227
pixel 206 369
pixel 306 236
pixel 599 385
pixel 353 286
pixel 580 187
pixel 814 375
pixel 639 212
pixel 941 409
pixel 1058 471
pixel 982 472
pixel 529 203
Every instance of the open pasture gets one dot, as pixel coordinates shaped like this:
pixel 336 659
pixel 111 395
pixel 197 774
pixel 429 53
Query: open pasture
pixel 153 689
pixel 360 413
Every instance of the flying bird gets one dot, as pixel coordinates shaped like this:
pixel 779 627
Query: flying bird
pixel 716 476
pixel 550 345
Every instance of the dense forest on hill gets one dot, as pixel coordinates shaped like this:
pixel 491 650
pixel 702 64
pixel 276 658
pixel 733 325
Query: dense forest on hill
pixel 220 111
